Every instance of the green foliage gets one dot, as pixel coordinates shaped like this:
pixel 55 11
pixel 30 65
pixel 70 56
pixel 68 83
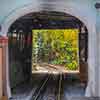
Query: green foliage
pixel 58 47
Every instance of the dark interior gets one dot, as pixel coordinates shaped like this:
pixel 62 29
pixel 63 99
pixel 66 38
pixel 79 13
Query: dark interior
pixel 20 42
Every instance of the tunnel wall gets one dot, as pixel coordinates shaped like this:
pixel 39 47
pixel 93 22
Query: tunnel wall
pixel 16 75
pixel 98 41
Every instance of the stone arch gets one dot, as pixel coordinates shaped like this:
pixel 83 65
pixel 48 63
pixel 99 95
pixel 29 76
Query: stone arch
pixel 72 10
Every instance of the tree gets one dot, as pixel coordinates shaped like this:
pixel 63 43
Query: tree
pixel 56 47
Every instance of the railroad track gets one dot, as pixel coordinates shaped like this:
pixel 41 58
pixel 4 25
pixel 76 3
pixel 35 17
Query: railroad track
pixel 60 88
pixel 50 89
pixel 40 88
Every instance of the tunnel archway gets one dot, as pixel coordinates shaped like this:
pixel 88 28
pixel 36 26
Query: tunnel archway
pixel 21 30
pixel 71 10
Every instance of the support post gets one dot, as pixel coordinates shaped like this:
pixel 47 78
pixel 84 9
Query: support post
pixel 1 81
pixel 4 80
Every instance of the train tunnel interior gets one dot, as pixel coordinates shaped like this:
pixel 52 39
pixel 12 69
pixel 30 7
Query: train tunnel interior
pixel 48 54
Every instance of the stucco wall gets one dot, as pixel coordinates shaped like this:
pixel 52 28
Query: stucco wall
pixel 6 7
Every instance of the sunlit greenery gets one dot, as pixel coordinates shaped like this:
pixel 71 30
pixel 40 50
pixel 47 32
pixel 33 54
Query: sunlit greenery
pixel 59 47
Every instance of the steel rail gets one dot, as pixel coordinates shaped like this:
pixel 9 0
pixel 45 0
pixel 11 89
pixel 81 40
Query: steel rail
pixel 41 88
pixel 60 86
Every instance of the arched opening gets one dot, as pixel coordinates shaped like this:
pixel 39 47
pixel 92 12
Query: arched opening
pixel 20 38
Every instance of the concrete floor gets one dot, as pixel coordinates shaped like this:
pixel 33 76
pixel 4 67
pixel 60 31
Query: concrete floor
pixel 25 90
pixel 70 89
pixel 84 98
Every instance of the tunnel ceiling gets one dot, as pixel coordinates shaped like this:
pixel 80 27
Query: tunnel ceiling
pixel 46 20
